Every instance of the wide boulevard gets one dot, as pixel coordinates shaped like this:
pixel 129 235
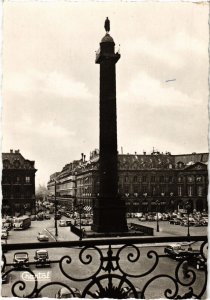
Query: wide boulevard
pixel 79 270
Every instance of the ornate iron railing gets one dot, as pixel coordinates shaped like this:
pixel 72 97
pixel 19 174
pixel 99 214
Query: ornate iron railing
pixel 115 268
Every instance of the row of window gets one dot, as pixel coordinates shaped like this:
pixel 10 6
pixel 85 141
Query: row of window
pixel 8 194
pixel 199 191
pixel 17 179
pixel 162 178
pixel 135 179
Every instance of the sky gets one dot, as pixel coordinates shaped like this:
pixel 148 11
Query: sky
pixel 50 82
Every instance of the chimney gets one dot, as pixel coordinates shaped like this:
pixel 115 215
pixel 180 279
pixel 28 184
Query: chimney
pixel 17 151
pixel 84 157
pixel 11 151
pixel 144 153
pixel 82 154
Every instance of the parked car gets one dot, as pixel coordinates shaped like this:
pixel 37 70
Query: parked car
pixel 178 252
pixel 175 221
pixel 68 293
pixel 42 237
pixel 150 218
pixel 7 225
pixel 203 222
pixel 20 259
pixel 197 262
pixel 4 277
pixel 142 218
pixel 47 217
pixel 33 217
pixel 89 222
pixel 9 219
pixel 42 258
pixel 4 234
pixel 66 214
pixel 192 222
pixel 40 217
pixel 4 242
pixel 64 223
pixel 57 216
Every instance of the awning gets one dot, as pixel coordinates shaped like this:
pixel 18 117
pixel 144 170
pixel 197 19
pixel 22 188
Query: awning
pixel 87 208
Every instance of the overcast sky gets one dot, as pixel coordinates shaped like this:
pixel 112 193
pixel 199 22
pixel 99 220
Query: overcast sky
pixel 51 81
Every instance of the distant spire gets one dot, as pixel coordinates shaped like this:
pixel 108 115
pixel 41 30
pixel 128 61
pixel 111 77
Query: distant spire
pixel 107 25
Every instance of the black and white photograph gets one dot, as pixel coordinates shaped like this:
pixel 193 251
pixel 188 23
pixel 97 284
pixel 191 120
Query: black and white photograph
pixel 104 121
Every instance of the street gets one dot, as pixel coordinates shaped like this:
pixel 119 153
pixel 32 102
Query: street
pixel 76 269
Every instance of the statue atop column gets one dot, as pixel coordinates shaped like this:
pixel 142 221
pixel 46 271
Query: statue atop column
pixel 107 25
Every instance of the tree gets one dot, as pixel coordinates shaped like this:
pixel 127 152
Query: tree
pixel 41 192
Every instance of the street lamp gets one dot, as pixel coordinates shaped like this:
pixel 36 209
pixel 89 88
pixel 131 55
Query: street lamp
pixel 136 195
pixel 157 203
pixel 171 204
pixel 188 206
pixel 80 207
pixel 56 224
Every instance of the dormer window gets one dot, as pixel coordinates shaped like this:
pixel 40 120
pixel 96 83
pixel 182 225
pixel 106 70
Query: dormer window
pixel 16 164
pixel 190 178
pixel 180 164
pixel 6 163
pixel 199 178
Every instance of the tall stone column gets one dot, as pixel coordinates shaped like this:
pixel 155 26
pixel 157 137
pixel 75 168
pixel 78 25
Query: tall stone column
pixel 109 214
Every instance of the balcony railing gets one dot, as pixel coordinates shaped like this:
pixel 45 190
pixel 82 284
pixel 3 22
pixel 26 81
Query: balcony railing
pixel 110 268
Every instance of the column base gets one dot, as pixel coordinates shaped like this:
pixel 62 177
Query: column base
pixel 109 215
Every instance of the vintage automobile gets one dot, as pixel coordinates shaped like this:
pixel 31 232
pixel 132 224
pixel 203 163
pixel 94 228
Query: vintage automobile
pixel 203 222
pixel 47 217
pixel 142 218
pixel 178 252
pixel 40 217
pixel 4 278
pixel 4 234
pixel 42 237
pixel 175 221
pixel 7 225
pixel 197 262
pixel 64 223
pixel 4 242
pixel 21 259
pixel 42 258
pixel 68 293
pixel 33 217
pixel 57 216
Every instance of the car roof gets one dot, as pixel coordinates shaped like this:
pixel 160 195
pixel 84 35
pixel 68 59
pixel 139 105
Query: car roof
pixel 41 251
pixel 64 290
pixel 21 253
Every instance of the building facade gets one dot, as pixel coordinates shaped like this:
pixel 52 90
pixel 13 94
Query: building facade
pixel 63 185
pixel 18 184
pixel 146 180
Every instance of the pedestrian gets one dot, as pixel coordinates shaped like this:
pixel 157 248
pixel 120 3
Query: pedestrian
pixel 83 232
pixel 185 266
